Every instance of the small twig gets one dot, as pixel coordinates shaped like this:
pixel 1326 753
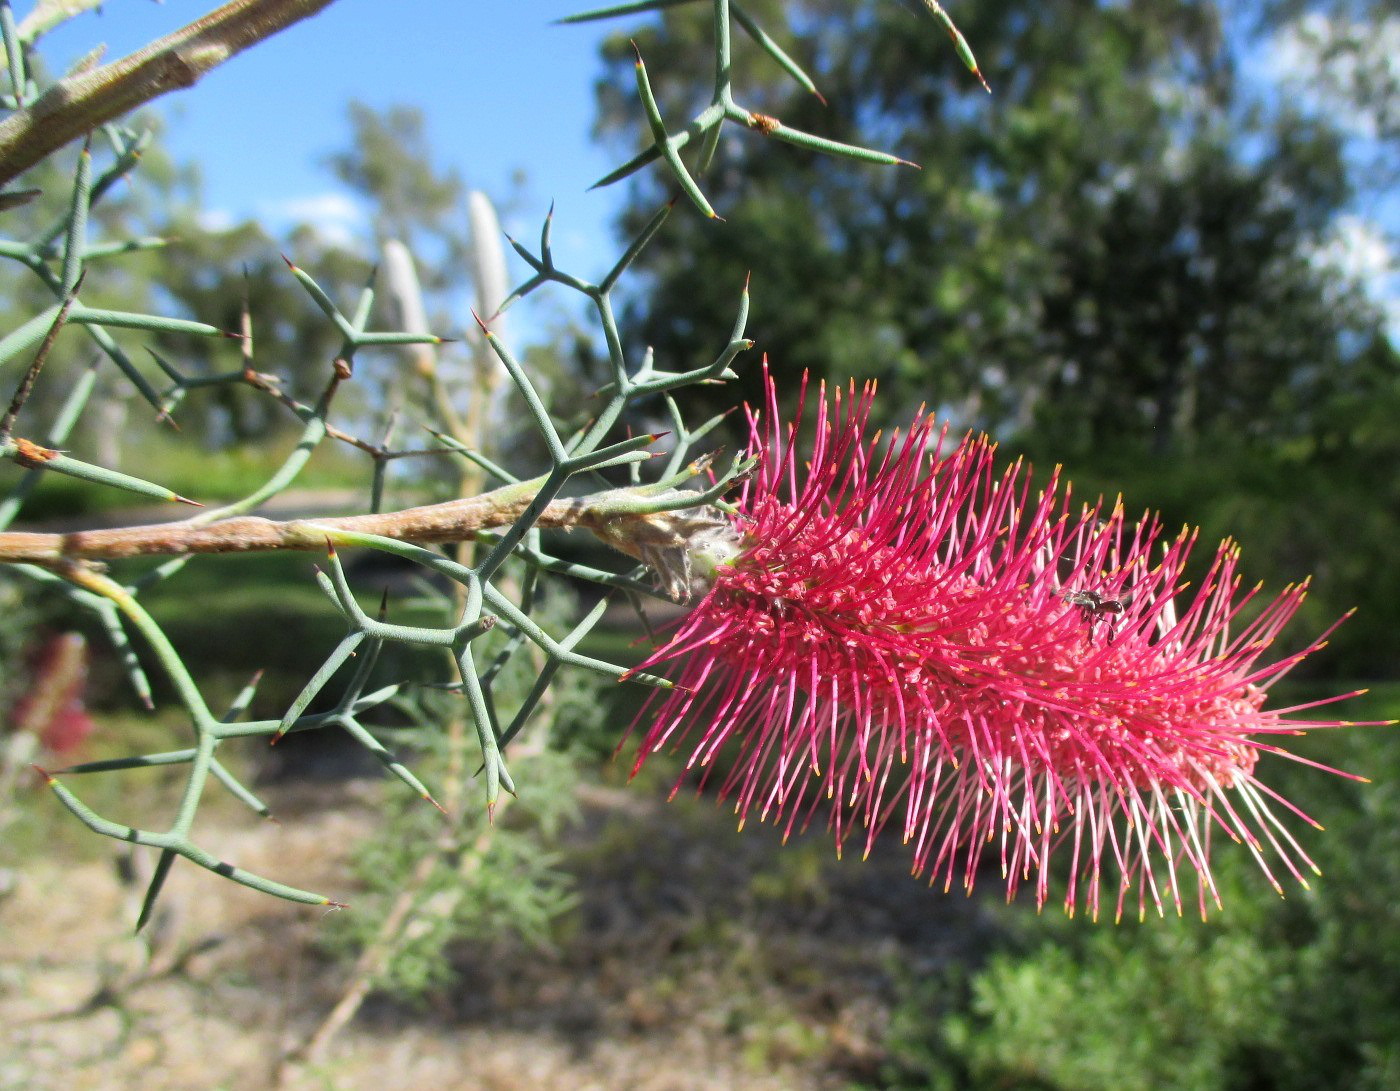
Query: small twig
pixel 26 384
pixel 47 15
pixel 268 384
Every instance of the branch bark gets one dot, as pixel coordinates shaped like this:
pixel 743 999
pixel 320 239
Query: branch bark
pixel 610 515
pixel 79 103
pixel 452 521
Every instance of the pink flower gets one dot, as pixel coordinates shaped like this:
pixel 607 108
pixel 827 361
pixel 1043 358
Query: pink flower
pixel 915 638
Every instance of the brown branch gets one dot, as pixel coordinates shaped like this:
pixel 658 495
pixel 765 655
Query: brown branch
pixel 79 103
pixel 452 521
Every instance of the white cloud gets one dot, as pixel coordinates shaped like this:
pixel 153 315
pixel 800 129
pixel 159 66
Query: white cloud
pixel 337 217
pixel 216 219
pixel 1331 63
pixel 1359 250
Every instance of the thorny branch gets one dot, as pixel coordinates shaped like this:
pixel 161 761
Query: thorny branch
pixel 624 518
pixel 80 103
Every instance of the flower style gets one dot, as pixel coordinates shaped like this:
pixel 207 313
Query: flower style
pixel 912 634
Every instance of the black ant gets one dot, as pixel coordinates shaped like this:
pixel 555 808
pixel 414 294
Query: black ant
pixel 1094 606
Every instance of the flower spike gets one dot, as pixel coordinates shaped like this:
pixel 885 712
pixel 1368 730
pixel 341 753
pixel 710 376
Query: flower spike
pixel 928 643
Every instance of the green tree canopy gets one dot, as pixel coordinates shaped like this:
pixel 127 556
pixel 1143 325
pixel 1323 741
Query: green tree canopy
pixel 1116 249
pixel 1112 262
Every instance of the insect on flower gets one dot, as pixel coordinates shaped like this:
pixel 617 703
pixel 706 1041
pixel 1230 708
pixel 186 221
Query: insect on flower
pixel 1093 606
pixel 885 645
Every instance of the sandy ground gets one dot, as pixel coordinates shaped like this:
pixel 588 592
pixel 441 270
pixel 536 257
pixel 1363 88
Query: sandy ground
pixel 697 959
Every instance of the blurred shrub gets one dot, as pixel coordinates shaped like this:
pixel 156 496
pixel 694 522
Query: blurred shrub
pixel 1294 995
pixel 486 879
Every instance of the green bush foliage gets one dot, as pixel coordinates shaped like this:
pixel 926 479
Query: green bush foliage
pixel 1286 995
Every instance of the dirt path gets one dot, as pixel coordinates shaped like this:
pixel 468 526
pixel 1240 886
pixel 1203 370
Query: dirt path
pixel 697 959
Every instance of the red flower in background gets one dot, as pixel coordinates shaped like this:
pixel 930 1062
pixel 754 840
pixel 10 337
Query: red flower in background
pixel 920 640
pixel 52 707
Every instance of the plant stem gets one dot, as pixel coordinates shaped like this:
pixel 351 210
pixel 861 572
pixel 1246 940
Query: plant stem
pixel 80 103
pixel 451 521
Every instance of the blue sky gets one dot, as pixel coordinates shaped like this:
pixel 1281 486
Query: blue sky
pixel 503 90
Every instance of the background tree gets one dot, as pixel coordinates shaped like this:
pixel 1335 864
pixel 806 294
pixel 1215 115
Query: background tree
pixel 390 163
pixel 216 273
pixel 1114 266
